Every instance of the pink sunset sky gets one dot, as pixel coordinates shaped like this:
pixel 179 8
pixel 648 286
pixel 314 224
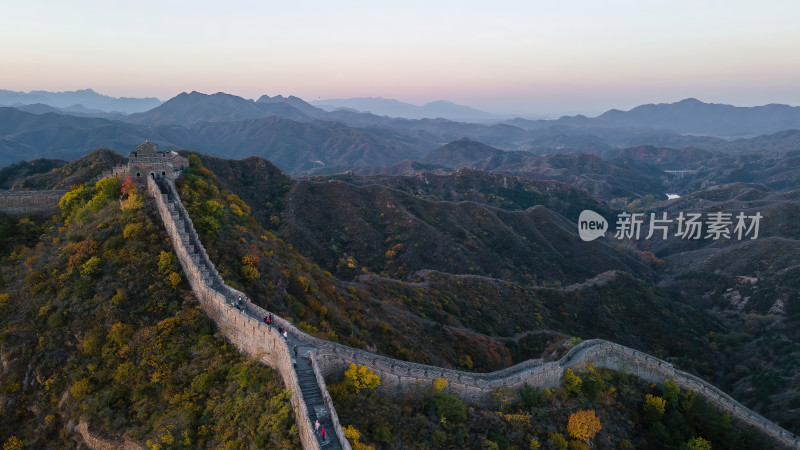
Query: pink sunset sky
pixel 504 57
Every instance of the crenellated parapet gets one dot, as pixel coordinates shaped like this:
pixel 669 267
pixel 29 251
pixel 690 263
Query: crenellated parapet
pixel 253 337
pixel 22 202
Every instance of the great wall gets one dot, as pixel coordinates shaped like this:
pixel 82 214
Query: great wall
pixel 241 321
pixel 253 337
pixel 21 202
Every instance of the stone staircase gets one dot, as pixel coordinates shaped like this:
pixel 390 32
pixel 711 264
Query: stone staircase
pixel 312 395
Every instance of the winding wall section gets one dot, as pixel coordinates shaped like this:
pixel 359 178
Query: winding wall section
pixel 244 329
pixel 255 338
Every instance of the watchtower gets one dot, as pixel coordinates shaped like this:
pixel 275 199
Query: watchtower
pixel 147 161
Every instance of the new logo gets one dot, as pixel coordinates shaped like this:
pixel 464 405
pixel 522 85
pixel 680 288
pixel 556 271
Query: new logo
pixel 591 225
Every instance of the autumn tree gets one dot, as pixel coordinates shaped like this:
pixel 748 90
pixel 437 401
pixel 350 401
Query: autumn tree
pixel 249 263
pixel 440 383
pixel 360 377
pixel 133 200
pixel 654 407
pixel 699 443
pixel 175 279
pixel 583 425
pixel 353 435
pixel 572 382
pixel 91 267
pixel 13 443
pixel 166 262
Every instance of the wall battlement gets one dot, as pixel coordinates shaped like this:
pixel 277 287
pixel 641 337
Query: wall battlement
pixel 22 202
pixel 254 338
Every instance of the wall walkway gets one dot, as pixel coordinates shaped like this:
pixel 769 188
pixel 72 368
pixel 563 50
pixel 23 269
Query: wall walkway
pixel 243 326
pixel 238 319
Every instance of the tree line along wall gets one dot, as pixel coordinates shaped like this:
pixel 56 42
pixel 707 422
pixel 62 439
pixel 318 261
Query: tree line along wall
pixel 21 202
pixel 331 359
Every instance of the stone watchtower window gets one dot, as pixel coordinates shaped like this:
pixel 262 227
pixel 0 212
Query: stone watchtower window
pixel 137 174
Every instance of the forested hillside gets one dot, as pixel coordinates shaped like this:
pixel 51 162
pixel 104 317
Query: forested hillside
pixel 97 325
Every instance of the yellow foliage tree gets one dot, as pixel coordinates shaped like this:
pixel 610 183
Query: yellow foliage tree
pixel 360 377
pixel 166 262
pixel 440 383
pixel 175 279
pixel 573 382
pixel 80 389
pixel 13 443
pixel 583 425
pixel 352 435
pixel 91 267
pixel 250 273
pixel 654 407
pixel 699 443
pixel 133 230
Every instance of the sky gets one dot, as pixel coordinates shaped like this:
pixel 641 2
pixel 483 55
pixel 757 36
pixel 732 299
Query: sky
pixel 566 56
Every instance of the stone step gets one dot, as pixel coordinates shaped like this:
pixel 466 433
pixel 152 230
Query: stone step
pixel 311 396
pixel 308 386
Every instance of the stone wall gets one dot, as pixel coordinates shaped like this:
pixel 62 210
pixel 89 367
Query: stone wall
pixel 402 376
pixel 250 335
pixel 120 170
pixel 97 442
pixel 254 338
pixel 21 202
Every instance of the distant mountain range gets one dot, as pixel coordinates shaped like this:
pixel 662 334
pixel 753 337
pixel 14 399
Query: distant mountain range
pixel 394 108
pixel 303 139
pixel 689 116
pixel 195 107
pixel 78 101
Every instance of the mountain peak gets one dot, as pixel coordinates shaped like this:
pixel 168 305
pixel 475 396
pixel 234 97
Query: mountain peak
pixel 690 101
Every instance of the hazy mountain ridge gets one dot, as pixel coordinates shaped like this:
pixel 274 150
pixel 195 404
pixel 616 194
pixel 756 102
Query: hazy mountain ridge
pixel 295 146
pixel 86 98
pixel 397 109
pixel 26 136
pixel 229 125
pixel 196 107
pixel 689 116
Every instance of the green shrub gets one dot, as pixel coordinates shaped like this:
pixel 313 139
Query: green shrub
pixel 449 408
pixel 529 396
pixel 297 309
pixel 55 320
pixel 382 434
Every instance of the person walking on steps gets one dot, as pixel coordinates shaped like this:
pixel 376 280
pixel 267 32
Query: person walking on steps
pixel 322 432
pixel 295 351
pixel 285 336
pixel 316 426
